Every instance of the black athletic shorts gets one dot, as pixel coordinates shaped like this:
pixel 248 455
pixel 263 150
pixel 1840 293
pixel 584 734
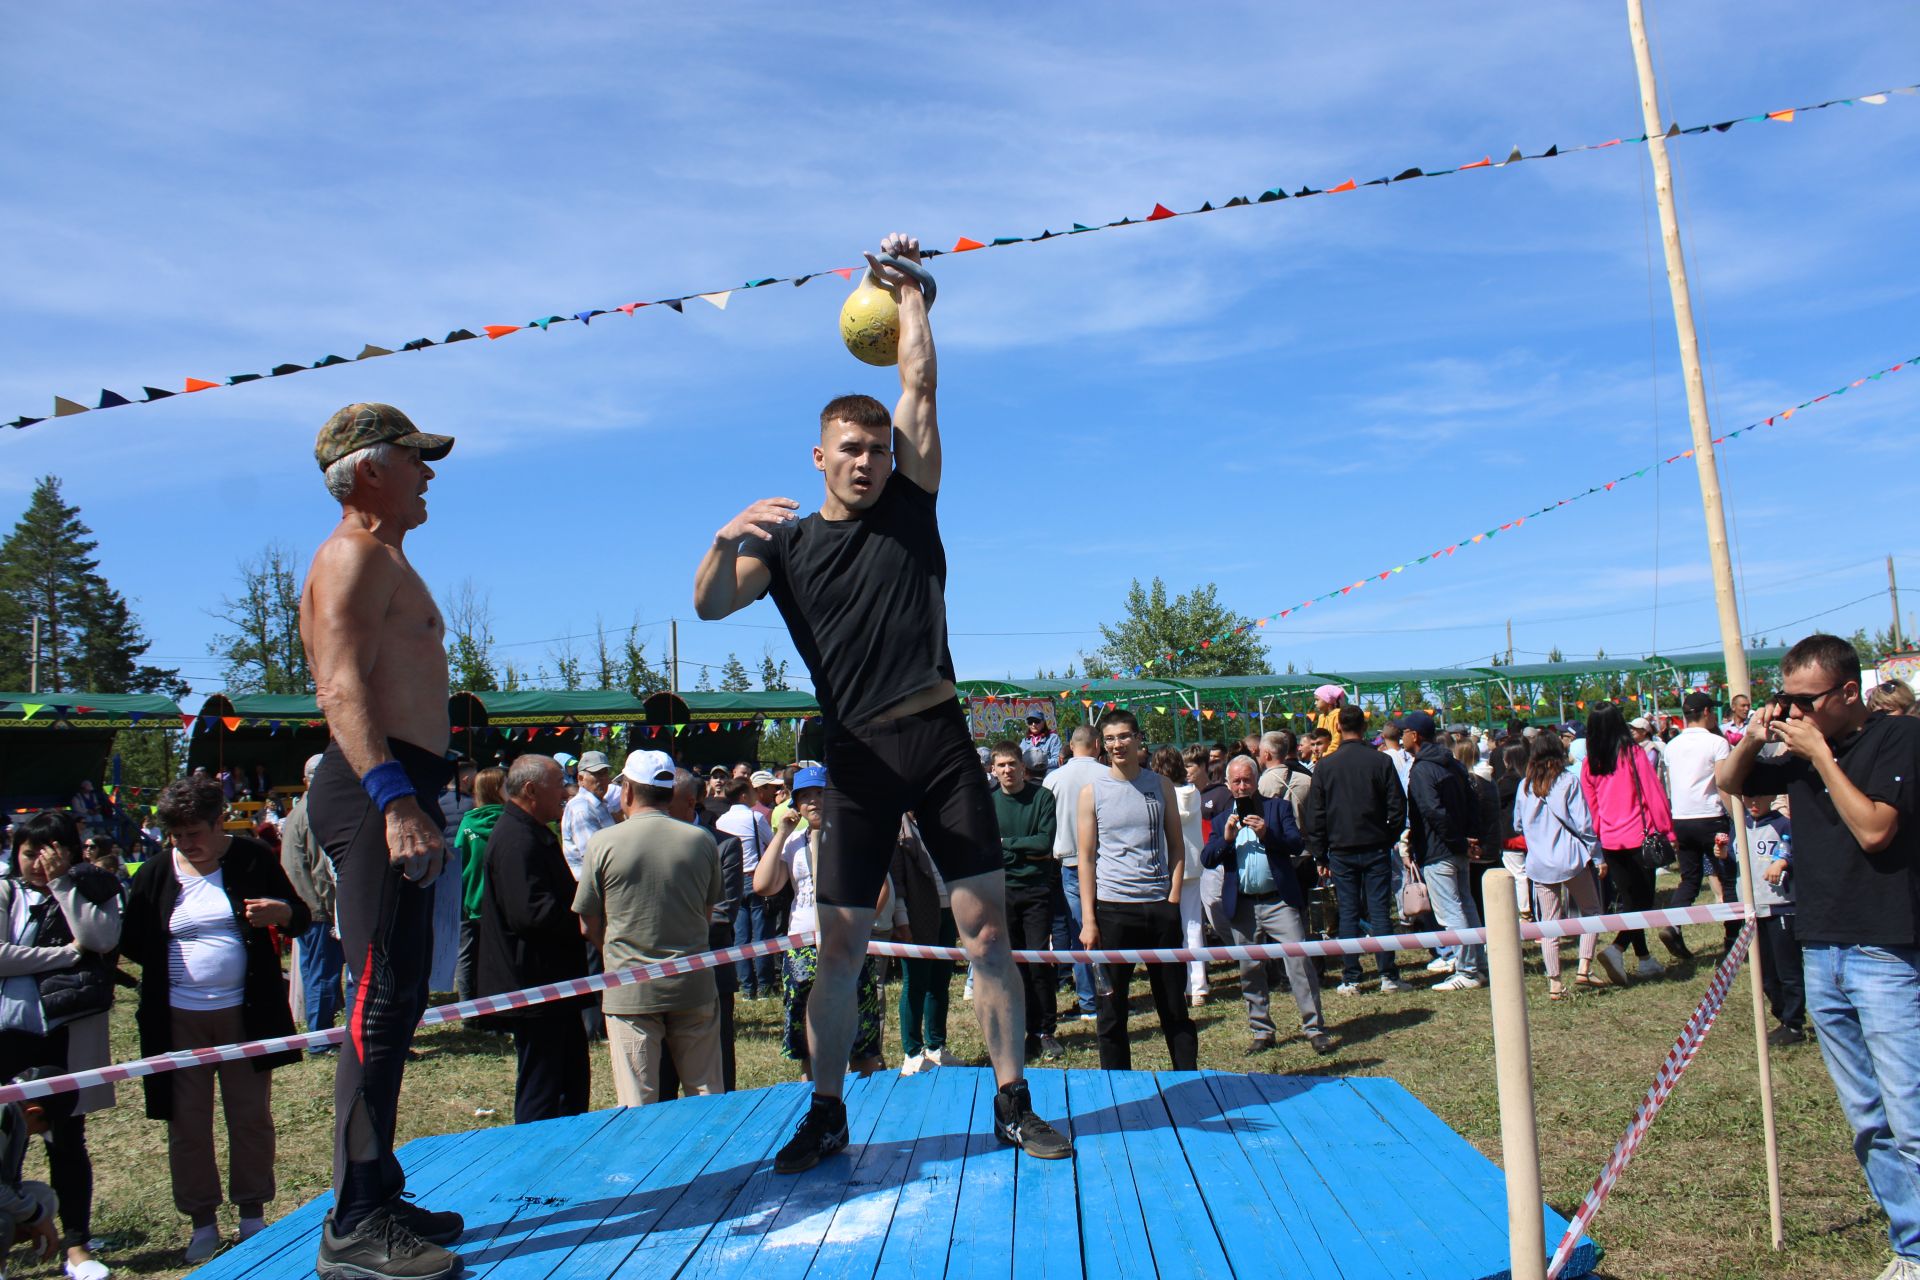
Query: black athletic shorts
pixel 925 762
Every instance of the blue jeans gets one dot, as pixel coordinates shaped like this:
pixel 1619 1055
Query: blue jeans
pixel 1082 973
pixel 757 976
pixel 1360 878
pixel 1865 1004
pixel 1451 893
pixel 321 974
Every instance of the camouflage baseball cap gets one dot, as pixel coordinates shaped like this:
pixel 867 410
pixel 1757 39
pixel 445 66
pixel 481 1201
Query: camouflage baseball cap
pixel 359 425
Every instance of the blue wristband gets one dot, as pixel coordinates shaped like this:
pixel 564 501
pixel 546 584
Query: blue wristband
pixel 386 783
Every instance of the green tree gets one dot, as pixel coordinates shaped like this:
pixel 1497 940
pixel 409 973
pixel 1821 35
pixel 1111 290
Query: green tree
pixel 262 650
pixel 469 614
pixel 89 640
pixel 1204 638
pixel 569 670
pixel 733 675
pixel 773 673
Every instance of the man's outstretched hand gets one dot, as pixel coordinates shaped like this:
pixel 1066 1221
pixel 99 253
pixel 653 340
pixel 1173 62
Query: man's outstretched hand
pixel 760 520
pixel 896 245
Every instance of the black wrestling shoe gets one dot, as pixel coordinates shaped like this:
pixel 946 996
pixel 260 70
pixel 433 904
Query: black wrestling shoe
pixel 822 1132
pixel 382 1248
pixel 1014 1121
pixel 435 1226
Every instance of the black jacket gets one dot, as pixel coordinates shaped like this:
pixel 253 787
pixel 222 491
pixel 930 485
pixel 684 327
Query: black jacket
pixel 1441 807
pixel 529 934
pixel 249 870
pixel 1282 841
pixel 1355 803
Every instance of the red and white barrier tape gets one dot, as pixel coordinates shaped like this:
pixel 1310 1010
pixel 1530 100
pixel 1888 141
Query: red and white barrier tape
pixel 1678 1059
pixel 183 1059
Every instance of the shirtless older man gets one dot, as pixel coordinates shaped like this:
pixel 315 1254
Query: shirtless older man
pixel 374 639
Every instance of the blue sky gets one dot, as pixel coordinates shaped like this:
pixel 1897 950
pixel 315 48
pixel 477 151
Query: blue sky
pixel 1278 399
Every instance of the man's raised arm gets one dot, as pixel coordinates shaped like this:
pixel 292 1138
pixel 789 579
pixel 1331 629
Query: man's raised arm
pixel 916 426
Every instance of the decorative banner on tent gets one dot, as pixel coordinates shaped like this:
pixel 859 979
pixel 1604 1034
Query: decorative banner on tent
pixel 993 719
pixel 1485 535
pixel 64 407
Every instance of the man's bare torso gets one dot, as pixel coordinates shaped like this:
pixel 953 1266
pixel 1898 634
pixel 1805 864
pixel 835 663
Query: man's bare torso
pixel 406 683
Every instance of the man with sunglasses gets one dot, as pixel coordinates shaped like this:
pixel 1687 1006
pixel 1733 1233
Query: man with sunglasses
pixel 1852 779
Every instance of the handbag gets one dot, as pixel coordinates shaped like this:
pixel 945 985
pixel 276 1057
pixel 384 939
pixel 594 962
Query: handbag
pixel 1656 851
pixel 1414 899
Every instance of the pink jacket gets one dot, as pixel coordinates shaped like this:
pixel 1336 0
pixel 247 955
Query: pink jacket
pixel 1611 798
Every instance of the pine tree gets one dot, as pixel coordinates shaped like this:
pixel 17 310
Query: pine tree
pixel 773 672
pixel 263 652
pixel 733 675
pixel 89 639
pixel 1204 638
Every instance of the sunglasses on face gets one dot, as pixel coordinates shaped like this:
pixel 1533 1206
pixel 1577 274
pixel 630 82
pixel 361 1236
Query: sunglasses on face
pixel 1805 701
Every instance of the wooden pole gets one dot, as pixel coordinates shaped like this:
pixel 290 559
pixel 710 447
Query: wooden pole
pixel 1893 593
pixel 1738 677
pixel 1513 1065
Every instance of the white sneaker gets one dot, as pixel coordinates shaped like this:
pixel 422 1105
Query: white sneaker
pixel 1615 964
pixel 91 1269
pixel 1439 964
pixel 1347 989
pixel 914 1064
pixel 1459 982
pixel 941 1058
pixel 1649 968
pixel 1901 1269
pixel 1392 986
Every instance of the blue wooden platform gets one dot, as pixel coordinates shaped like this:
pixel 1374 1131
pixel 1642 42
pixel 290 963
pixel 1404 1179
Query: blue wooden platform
pixel 1178 1174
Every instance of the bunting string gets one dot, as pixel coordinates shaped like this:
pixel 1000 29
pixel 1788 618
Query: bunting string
pixel 1147 668
pixel 65 407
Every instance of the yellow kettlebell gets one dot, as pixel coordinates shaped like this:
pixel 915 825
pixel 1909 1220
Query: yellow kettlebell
pixel 870 317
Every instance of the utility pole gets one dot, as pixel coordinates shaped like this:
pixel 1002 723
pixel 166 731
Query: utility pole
pixel 673 639
pixel 1893 591
pixel 33 678
pixel 1509 641
pixel 1738 677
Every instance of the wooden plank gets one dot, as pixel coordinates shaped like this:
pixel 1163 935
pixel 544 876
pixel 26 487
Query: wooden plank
pixel 983 1218
pixel 857 1233
pixel 287 1247
pixel 1373 1173
pixel 1113 1239
pixel 1178 1227
pixel 692 1194
pixel 1046 1219
pixel 1260 1237
pixel 922 1230
pixel 1294 1184
pixel 1478 1179
pixel 783 1216
pixel 593 1198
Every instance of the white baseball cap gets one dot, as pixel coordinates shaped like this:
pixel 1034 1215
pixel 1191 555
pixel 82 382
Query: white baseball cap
pixel 762 778
pixel 649 769
pixel 1640 723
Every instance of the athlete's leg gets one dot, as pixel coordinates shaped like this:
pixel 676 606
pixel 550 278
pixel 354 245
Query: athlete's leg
pixel 980 914
pixel 832 1018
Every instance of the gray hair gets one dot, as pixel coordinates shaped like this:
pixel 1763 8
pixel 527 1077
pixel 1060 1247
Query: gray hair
pixel 1252 765
pixel 687 782
pixel 344 474
pixel 1278 741
pixel 312 767
pixel 528 771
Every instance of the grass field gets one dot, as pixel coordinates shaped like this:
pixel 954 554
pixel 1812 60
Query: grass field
pixel 1693 1203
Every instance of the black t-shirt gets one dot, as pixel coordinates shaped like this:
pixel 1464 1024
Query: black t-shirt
pixel 1842 894
pixel 865 600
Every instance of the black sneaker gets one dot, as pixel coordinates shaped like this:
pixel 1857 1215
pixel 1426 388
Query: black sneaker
pixel 437 1226
pixel 1014 1121
pixel 822 1132
pixel 1050 1050
pixel 382 1248
pixel 1322 1044
pixel 1675 944
pixel 1781 1037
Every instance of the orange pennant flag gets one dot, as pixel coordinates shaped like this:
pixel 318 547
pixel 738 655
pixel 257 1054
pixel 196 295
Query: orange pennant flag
pixel 1348 185
pixel 502 330
pixel 1160 211
pixel 232 722
pixel 1481 163
pixel 963 244
pixel 845 273
pixel 1784 117
pixel 199 384
pixel 630 307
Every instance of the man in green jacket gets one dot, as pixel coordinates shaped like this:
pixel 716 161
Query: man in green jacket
pixel 470 844
pixel 1025 812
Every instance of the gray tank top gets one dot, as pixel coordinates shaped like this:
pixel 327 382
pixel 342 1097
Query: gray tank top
pixel 1132 865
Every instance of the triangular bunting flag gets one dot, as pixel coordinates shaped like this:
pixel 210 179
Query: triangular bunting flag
pixel 232 723
pixel 282 370
pixel 964 245
pixel 239 378
pixel 1784 117
pixel 65 408
pixel 719 300
pixel 460 335
pixel 29 709
pixel 186 722
pixel 324 361
pixel 1482 163
pixel 1160 211
pixel 1348 185
pixel 674 303
pixel 502 330
pixel 369 351
pixel 586 317
pixel 111 400
pixel 845 273
pixel 629 308
pixel 200 384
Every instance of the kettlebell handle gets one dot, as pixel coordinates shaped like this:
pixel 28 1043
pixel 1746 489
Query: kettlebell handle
pixel 921 276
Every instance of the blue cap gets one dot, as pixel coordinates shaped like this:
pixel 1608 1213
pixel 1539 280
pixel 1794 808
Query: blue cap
pixel 812 777
pixel 1420 722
